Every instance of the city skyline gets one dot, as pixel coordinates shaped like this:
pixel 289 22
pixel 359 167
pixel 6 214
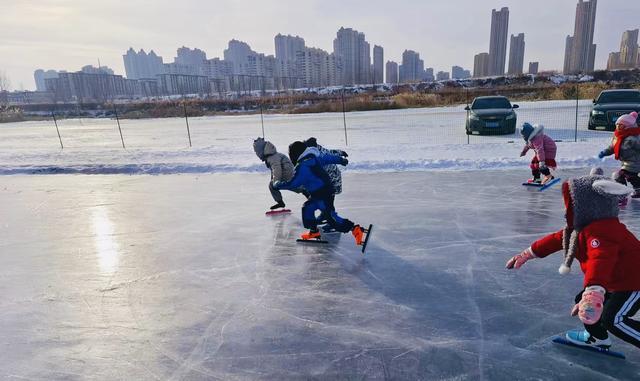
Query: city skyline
pixel 39 37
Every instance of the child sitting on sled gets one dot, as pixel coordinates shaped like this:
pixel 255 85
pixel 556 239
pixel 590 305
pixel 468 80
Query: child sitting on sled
pixel 310 175
pixel 545 152
pixel 609 256
pixel 625 145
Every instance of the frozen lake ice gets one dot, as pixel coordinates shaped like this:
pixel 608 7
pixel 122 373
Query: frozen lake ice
pixel 182 277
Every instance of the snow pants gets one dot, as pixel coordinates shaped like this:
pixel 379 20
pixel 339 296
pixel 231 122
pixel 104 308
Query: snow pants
pixel 327 211
pixel 616 317
pixel 535 167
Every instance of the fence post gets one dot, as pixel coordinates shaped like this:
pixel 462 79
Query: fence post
pixel 577 98
pixel 186 119
pixel 262 119
pixel 344 120
pixel 115 110
pixel 467 96
pixel 57 129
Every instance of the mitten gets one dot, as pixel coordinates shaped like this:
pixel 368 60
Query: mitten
pixel 344 161
pixel 589 309
pixel 601 155
pixel 344 154
pixel 519 260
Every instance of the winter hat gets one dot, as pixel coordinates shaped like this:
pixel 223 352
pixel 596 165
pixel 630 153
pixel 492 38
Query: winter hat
pixel 526 131
pixel 258 147
pixel 295 150
pixel 596 171
pixel 588 199
pixel 311 142
pixel 628 120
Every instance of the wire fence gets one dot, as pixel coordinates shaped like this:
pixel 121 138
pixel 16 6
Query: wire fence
pixel 564 120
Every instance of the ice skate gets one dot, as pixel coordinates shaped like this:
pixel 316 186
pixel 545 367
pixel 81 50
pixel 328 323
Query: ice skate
pixel 310 235
pixel 278 206
pixel 547 179
pixel 584 339
pixel 535 181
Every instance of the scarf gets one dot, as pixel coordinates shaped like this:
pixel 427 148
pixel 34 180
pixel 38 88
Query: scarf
pixel 620 135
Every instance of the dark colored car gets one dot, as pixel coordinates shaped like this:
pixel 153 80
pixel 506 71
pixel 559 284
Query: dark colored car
pixel 491 115
pixel 610 105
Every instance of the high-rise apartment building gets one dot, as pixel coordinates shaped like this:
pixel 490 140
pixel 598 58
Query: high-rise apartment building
pixel 442 76
pixel 142 65
pixel 629 49
pixel 580 51
pixel 351 48
pixel 533 67
pixel 41 76
pixel 498 41
pixel 392 72
pixel 194 59
pixel 378 64
pixel 287 49
pixel 614 63
pixel 238 53
pixel 481 65
pixel 516 54
pixel 458 72
pixel 318 68
pixel 412 68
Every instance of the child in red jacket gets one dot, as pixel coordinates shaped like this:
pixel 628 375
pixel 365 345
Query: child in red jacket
pixel 609 256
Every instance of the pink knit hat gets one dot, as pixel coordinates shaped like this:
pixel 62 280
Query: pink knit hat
pixel 628 120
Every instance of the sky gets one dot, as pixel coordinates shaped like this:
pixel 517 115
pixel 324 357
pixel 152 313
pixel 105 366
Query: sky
pixel 68 34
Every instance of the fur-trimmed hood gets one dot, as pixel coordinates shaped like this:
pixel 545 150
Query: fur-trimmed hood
pixel 587 199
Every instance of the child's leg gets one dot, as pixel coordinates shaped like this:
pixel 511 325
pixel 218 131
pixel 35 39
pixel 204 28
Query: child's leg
pixel 342 225
pixel 535 167
pixel 309 208
pixel 633 179
pixel 618 308
pixel 620 177
pixel 276 194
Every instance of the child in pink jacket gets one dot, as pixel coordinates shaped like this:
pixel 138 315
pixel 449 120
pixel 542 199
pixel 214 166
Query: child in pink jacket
pixel 545 149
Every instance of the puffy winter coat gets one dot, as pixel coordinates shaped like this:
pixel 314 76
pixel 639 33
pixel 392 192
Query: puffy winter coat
pixel 609 254
pixel 543 145
pixel 310 174
pixel 280 164
pixel 629 153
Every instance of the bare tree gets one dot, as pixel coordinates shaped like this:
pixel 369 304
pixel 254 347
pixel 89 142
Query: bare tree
pixel 5 83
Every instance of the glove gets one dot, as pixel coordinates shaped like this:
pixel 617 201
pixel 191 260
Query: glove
pixel 589 309
pixel 344 161
pixel 601 155
pixel 344 154
pixel 519 260
pixel 542 165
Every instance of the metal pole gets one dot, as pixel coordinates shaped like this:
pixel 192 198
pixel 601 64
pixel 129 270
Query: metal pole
pixel 57 129
pixel 467 92
pixel 186 119
pixel 344 120
pixel 119 129
pixel 262 120
pixel 577 98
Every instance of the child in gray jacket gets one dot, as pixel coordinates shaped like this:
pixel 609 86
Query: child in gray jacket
pixel 280 165
pixel 625 145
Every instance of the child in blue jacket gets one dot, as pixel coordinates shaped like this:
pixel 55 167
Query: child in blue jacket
pixel 310 175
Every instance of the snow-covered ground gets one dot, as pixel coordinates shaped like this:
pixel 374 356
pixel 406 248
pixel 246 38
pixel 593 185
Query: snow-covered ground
pixel 182 277
pixel 397 140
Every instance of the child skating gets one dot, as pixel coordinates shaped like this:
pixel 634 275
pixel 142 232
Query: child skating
pixel 625 145
pixel 609 256
pixel 279 164
pixel 311 176
pixel 545 152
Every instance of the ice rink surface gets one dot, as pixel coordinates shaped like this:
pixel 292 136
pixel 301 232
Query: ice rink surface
pixel 182 277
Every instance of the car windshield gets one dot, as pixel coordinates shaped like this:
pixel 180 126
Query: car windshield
pixel 619 97
pixel 485 103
